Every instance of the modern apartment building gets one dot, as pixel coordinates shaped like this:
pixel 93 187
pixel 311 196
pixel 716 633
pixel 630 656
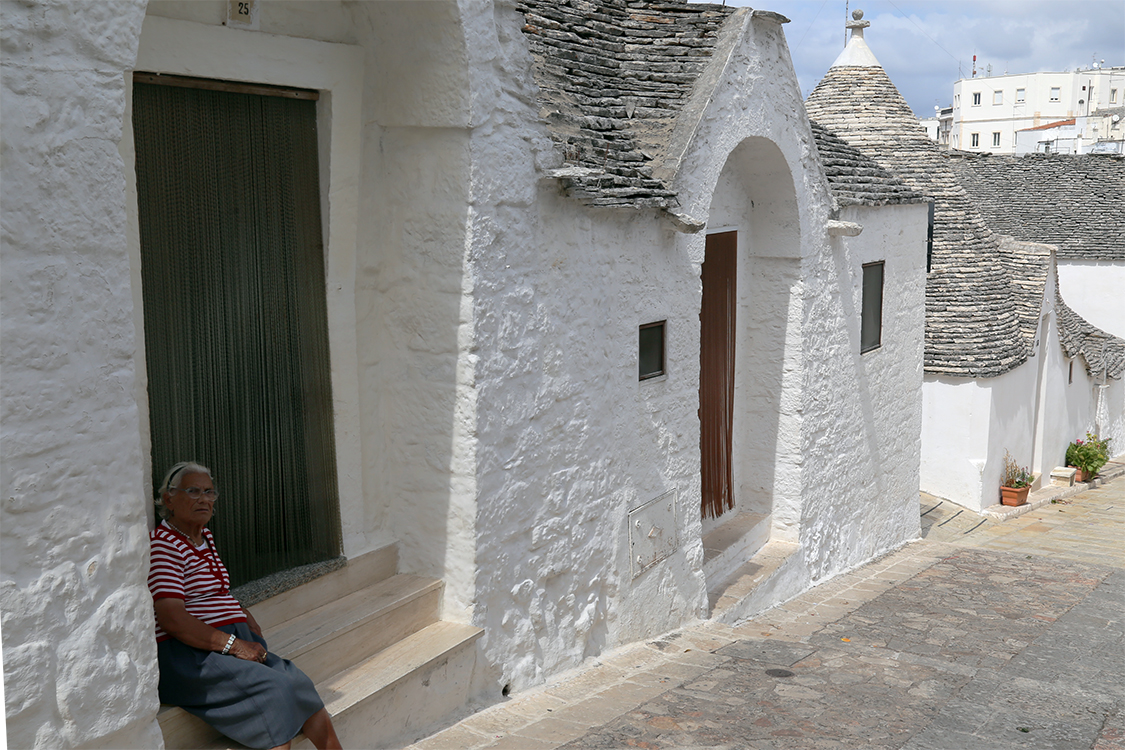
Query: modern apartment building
pixel 988 111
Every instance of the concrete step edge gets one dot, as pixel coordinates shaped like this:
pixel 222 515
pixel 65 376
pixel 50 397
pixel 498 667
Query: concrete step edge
pixel 728 595
pixel 722 565
pixel 394 664
pixel 336 618
pixel 360 572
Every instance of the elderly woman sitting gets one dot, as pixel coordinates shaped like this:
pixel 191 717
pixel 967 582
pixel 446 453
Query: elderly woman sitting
pixel 213 659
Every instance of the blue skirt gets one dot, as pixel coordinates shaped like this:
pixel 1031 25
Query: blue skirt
pixel 259 705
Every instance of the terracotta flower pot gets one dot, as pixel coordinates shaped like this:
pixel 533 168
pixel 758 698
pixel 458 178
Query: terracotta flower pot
pixel 1014 495
pixel 1079 475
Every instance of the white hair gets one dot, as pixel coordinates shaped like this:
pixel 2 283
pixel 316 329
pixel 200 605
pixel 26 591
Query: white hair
pixel 173 475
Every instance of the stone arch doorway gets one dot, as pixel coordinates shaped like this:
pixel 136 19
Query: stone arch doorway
pixel 753 219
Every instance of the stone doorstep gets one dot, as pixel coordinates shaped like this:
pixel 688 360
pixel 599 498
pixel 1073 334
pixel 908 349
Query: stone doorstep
pixel 727 597
pixel 728 546
pixel 1044 496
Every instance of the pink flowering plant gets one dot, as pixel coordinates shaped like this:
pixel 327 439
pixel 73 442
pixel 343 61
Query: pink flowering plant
pixel 1090 454
pixel 1014 475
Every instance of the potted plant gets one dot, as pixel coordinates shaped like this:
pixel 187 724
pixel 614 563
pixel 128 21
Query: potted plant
pixel 1088 456
pixel 1015 484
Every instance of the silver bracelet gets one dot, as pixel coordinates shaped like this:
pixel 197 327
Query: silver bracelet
pixel 230 642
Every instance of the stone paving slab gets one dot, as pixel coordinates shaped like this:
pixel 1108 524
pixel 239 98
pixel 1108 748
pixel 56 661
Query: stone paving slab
pixel 993 635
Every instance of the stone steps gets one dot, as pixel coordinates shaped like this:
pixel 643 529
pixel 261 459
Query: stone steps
pixel 373 642
pixel 729 546
pixel 756 584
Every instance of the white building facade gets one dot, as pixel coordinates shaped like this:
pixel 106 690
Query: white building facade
pixel 490 256
pixel 988 111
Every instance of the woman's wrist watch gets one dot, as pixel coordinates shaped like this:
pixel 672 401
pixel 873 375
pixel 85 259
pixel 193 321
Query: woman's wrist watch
pixel 230 642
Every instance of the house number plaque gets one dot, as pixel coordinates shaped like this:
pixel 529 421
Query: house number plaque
pixel 242 14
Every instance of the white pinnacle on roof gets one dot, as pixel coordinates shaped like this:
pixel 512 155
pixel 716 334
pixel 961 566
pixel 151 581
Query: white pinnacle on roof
pixel 857 52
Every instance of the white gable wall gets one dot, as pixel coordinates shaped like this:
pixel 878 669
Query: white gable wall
pixel 569 441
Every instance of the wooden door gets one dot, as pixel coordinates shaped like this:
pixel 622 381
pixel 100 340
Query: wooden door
pixel 716 371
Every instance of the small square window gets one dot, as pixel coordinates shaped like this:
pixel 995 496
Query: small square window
pixel 976 98
pixel 871 325
pixel 1021 96
pixel 1055 93
pixel 975 140
pixel 997 97
pixel 995 139
pixel 651 356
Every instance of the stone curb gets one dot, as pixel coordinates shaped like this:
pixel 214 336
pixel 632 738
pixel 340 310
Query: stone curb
pixel 1047 495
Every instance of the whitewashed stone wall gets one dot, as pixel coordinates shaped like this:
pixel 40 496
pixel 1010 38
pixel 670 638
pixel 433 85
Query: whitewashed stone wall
pixel 75 551
pixel 863 439
pixel 1093 290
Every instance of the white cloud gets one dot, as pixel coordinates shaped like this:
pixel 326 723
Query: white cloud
pixel 926 46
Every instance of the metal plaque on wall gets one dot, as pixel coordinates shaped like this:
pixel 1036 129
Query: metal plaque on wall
pixel 653 532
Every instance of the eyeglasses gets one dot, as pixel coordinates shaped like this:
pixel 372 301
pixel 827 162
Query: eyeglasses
pixel 195 493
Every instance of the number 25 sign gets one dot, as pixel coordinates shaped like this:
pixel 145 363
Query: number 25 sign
pixel 242 14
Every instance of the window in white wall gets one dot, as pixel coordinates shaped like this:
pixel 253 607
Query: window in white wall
pixel 1021 96
pixel 997 97
pixel 1055 93
pixel 974 140
pixel 976 98
pixel 995 139
pixel 1113 96
pixel 871 324
pixel 651 354
pixel 957 100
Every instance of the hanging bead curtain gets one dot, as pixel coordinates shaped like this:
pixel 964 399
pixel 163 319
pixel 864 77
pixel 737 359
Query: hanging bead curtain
pixel 236 332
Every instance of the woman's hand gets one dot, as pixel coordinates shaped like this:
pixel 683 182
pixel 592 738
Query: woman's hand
pixel 176 622
pixel 248 650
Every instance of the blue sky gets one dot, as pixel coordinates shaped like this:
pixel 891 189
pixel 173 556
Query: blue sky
pixel 922 45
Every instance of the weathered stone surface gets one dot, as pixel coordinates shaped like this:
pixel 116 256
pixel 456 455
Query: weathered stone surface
pixel 856 179
pixel 1075 202
pixel 612 79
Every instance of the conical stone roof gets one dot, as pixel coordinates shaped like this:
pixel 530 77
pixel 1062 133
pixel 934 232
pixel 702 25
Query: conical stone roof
pixel 973 325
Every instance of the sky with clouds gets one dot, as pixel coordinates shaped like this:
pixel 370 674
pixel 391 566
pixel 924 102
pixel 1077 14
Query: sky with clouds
pixel 927 45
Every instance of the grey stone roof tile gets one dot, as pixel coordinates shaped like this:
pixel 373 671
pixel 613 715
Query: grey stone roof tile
pixel 613 75
pixel 1104 353
pixel 973 328
pixel 855 179
pixel 1075 202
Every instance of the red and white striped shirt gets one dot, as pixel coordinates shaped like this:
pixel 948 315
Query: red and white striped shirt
pixel 178 570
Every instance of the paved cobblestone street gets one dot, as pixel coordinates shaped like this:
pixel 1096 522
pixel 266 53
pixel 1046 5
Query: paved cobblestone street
pixel 985 634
